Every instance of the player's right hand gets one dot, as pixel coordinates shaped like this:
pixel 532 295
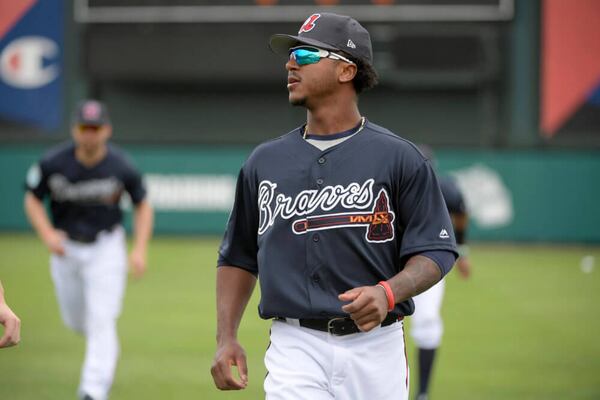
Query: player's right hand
pixel 367 307
pixel 55 242
pixel 12 326
pixel 229 354
pixel 463 265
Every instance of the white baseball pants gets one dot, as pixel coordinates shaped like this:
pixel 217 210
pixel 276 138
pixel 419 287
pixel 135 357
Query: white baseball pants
pixel 90 281
pixel 426 325
pixel 306 364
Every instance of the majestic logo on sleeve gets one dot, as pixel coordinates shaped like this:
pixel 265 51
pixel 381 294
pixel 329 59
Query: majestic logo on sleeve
pixel 374 216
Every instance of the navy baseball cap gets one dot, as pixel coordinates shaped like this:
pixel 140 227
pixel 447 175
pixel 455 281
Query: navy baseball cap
pixel 328 31
pixel 91 112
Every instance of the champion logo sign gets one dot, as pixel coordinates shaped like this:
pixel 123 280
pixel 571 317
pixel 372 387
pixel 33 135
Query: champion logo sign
pixel 444 234
pixel 30 62
pixel 309 24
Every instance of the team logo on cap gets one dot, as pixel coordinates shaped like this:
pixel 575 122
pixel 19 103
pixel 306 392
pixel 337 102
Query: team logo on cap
pixel 91 110
pixel 309 24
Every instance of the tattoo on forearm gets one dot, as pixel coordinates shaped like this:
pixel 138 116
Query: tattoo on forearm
pixel 422 272
pixel 418 275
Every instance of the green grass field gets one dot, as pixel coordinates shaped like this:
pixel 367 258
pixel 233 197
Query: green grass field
pixel 526 326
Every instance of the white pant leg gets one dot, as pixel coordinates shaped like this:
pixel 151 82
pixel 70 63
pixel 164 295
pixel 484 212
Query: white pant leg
pixel 68 285
pixel 426 323
pixel 375 366
pixel 308 364
pixel 105 276
pixel 298 364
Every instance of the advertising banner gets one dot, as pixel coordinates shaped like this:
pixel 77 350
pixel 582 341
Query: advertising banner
pixel 31 62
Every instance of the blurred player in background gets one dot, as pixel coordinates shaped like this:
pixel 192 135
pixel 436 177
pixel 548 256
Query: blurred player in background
pixel 84 180
pixel 426 322
pixel 11 323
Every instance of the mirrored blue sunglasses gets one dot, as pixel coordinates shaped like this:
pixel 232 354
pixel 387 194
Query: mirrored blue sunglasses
pixel 304 55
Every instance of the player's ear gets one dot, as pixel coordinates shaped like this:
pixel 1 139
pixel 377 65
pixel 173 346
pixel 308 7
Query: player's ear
pixel 347 72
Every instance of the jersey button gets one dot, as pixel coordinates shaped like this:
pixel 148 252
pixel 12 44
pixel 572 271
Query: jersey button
pixel 316 278
pixel 315 237
pixel 319 181
pixel 321 160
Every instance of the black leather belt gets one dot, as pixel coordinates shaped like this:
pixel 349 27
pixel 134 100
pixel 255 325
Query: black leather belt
pixel 87 239
pixel 340 326
pixel 82 238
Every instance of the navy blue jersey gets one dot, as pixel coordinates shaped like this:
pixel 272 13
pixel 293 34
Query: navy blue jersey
pixel 313 224
pixel 84 201
pixel 455 201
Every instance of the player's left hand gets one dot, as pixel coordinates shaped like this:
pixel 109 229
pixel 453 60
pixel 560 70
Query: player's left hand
pixel 137 262
pixel 368 306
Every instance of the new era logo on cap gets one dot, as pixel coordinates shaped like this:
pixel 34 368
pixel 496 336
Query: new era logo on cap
pixel 351 44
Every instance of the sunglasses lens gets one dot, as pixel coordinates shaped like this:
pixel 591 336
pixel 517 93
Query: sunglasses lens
pixel 305 56
pixel 89 127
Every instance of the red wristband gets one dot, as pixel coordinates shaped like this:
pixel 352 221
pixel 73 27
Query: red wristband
pixel 388 294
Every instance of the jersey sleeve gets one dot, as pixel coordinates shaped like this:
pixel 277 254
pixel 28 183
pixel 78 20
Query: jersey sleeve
pixel 36 181
pixel 134 184
pixel 239 247
pixel 423 214
pixel 444 259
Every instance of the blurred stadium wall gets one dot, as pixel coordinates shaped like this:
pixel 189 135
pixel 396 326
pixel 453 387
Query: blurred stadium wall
pixel 507 92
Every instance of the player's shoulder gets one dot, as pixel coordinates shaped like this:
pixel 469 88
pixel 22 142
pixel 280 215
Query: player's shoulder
pixel 118 155
pixel 393 147
pixel 58 154
pixel 116 152
pixel 279 142
pixel 393 140
pixel 119 160
pixel 275 147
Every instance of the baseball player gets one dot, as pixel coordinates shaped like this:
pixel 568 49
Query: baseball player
pixel 85 180
pixel 342 221
pixel 11 323
pixel 426 322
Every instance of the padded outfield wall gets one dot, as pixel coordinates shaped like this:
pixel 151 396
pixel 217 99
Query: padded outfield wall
pixel 511 195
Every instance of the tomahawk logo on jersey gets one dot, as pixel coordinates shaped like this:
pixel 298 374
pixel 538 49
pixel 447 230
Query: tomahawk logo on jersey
pixel 354 196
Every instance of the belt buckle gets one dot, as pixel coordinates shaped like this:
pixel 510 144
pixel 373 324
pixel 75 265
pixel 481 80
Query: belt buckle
pixel 331 327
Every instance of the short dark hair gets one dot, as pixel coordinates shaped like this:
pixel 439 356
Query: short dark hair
pixel 366 76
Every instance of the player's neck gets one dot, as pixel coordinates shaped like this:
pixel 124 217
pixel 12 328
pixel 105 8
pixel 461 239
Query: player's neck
pixel 332 119
pixel 90 157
